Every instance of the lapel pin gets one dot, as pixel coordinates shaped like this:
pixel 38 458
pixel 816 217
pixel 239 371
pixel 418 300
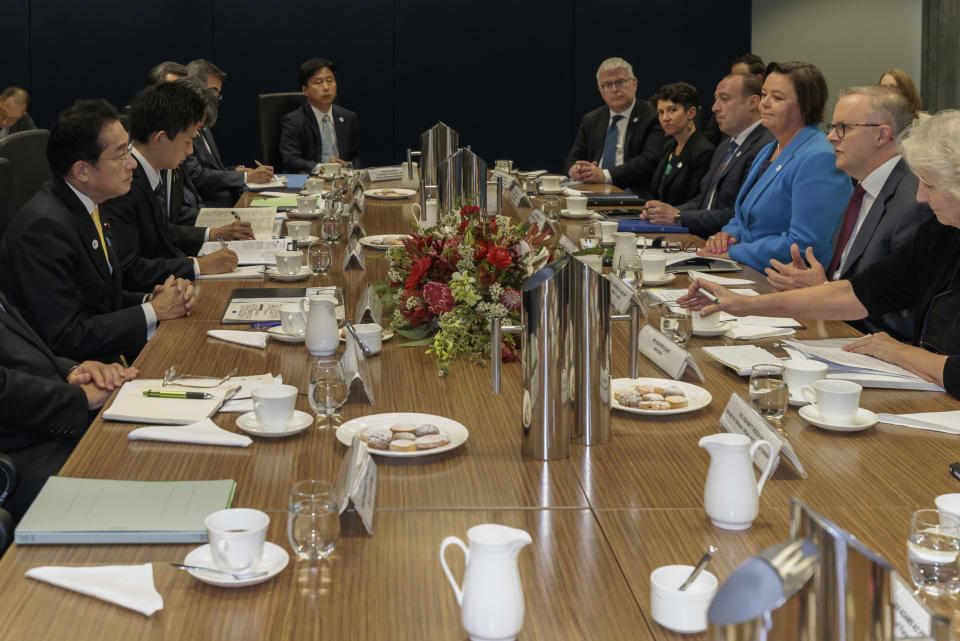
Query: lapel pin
pixel 679 165
pixel 95 244
pixel 635 119
pixel 341 118
pixel 778 167
pixel 738 154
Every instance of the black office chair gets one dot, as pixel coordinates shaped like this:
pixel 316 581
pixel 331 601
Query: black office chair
pixel 8 205
pixel 8 483
pixel 27 153
pixel 271 107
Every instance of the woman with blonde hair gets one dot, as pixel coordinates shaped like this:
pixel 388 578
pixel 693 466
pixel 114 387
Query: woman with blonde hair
pixel 899 79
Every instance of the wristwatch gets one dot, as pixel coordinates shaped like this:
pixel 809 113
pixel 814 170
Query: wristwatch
pixel 676 220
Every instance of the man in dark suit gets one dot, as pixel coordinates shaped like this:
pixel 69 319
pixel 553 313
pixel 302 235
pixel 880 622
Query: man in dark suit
pixel 13 111
pixel 883 212
pixel 737 107
pixel 619 143
pixel 163 122
pixel 216 184
pixel 57 263
pixel 45 403
pixel 319 131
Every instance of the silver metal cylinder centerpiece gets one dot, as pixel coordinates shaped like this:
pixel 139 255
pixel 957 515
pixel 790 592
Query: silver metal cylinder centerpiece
pixel 592 349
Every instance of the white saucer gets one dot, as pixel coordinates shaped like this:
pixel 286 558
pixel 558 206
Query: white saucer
pixel 249 424
pixel 307 240
pixel 305 272
pixel 280 335
pixel 667 278
pixel 863 420
pixel 713 331
pixel 552 192
pixel 322 192
pixel 273 561
pixel 798 401
pixel 297 213
pixel 566 213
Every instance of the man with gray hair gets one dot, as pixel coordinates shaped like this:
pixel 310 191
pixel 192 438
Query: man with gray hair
pixel 883 212
pixel 620 142
pixel 13 111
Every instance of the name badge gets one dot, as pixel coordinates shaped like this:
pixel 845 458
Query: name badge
pixel 739 417
pixel 666 354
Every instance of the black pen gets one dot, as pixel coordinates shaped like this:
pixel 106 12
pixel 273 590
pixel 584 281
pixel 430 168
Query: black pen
pixel 236 216
pixel 152 393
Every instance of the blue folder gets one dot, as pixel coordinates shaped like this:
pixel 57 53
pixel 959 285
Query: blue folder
pixel 640 226
pixel 295 181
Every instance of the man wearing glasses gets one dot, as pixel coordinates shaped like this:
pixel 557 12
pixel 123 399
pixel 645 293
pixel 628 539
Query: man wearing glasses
pixel 13 111
pixel 883 212
pixel 319 131
pixel 619 143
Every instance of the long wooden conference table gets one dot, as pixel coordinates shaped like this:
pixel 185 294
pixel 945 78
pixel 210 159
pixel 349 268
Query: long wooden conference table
pixel 600 520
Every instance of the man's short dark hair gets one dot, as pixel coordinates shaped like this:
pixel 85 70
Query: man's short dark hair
pixel 201 68
pixel 20 95
pixel 312 66
pixel 168 107
pixel 211 105
pixel 159 73
pixel 680 93
pixel 76 134
pixel 754 63
pixel 809 85
pixel 752 86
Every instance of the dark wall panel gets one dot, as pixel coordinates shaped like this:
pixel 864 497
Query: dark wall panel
pixel 15 65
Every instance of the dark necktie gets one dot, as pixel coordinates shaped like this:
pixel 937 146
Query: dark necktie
pixel 161 193
pixel 846 229
pixel 609 158
pixel 727 157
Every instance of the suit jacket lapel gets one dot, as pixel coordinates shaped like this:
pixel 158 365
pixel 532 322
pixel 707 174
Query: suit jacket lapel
pixel 212 146
pixel 875 214
pixel 340 128
pixel 89 237
pixel 776 166
pixel 314 127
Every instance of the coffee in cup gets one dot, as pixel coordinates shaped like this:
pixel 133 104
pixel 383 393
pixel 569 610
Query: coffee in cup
pixel 298 229
pixel 293 320
pixel 289 261
pixel 654 266
pixel 236 537
pixel 576 204
pixel 837 401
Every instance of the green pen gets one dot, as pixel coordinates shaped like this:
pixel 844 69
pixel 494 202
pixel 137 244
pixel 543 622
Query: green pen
pixel 152 393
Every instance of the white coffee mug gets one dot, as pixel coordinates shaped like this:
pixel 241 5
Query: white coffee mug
pixel 608 228
pixel 949 503
pixel 576 204
pixel 298 229
pixel 550 182
pixel 369 334
pixel 273 405
pixel 654 266
pixel 306 203
pixel 293 320
pixel 289 261
pixel 705 322
pixel 801 371
pixel 330 169
pixel 837 401
pixel 236 537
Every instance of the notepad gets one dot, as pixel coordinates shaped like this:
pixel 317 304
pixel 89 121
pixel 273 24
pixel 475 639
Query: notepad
pixel 250 252
pixel 244 271
pixel 741 358
pixel 73 510
pixel 260 219
pixel 130 405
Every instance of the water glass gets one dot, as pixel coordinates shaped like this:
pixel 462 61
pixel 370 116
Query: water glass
pixel 320 258
pixel 933 552
pixel 768 391
pixel 551 207
pixel 328 389
pixel 331 228
pixel 591 235
pixel 313 519
pixel 675 322
pixel 630 270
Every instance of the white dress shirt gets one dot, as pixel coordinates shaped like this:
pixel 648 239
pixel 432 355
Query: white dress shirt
pixel 621 138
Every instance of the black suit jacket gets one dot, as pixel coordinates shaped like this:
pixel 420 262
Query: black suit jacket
pixel 54 272
pixel 689 167
pixel 24 124
pixel 215 184
pixel 141 234
pixel 641 146
pixel 300 142
pixel 693 213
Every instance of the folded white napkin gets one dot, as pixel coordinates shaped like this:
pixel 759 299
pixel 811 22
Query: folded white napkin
pixel 253 339
pixel 752 332
pixel 203 432
pixel 128 585
pixel 948 422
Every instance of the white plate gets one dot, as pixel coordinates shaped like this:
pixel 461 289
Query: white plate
pixel 656 282
pixel 248 423
pixel 697 397
pixel 455 431
pixel 392 193
pixel 296 213
pixel 280 335
pixel 308 239
pixel 322 192
pixel 714 331
pixel 566 213
pixel 381 241
pixel 305 272
pixel 273 561
pixel 863 420
pixel 385 334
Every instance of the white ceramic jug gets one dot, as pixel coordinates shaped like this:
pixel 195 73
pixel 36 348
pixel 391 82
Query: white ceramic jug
pixel 322 336
pixel 625 247
pixel 492 597
pixel 731 495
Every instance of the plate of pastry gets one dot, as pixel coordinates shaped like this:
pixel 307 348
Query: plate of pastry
pixel 404 434
pixel 384 241
pixel 391 193
pixel 657 396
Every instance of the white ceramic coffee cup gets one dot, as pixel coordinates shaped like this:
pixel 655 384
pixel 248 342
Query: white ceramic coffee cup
pixel 550 182
pixel 314 186
pixel 289 261
pixel 949 503
pixel 306 203
pixel 576 204
pixel 273 405
pixel 654 266
pixel 330 168
pixel 838 401
pixel 685 611
pixel 293 320
pixel 705 322
pixel 369 334
pixel 608 228
pixel 800 372
pixel 298 229
pixel 236 537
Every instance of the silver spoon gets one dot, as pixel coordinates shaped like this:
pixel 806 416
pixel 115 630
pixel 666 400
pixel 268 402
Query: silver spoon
pixel 713 549
pixel 239 576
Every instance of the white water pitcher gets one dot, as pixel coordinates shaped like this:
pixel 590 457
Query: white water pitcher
pixel 731 495
pixel 322 337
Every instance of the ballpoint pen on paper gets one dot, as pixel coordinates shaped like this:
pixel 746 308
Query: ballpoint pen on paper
pixel 223 245
pixel 236 216
pixel 152 393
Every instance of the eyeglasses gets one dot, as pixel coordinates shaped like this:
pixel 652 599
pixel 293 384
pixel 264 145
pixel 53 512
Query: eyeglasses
pixel 676 246
pixel 126 154
pixel 619 84
pixel 841 127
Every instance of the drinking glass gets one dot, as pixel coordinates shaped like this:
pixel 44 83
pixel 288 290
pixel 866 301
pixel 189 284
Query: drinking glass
pixel 551 207
pixel 768 391
pixel 328 389
pixel 675 323
pixel 631 271
pixel 591 235
pixel 339 187
pixel 320 258
pixel 933 552
pixel 331 228
pixel 313 519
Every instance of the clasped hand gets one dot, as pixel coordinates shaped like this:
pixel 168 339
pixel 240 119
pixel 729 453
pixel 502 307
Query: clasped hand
pixel 587 172
pixel 173 299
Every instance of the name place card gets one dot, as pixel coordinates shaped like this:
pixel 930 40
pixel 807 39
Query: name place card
pixel 517 196
pixel 357 483
pixel 359 203
pixel 666 354
pixel 508 178
pixel 355 226
pixel 568 245
pixel 537 217
pixel 353 255
pixel 739 417
pixel 356 186
pixel 355 371
pixel 369 308
pixel 378 174
pixel 622 296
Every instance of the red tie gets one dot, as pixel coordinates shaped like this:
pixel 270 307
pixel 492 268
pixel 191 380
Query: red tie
pixel 846 229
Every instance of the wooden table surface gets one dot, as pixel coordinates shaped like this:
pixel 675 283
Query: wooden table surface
pixel 600 520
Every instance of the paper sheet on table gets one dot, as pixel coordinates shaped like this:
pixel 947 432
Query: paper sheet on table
pixel 263 310
pixel 719 280
pixel 667 295
pixel 273 194
pixel 250 252
pixel 242 400
pixel 948 422
pixel 260 218
pixel 276 183
pixel 741 358
pixel 244 271
pixel 283 201
pixel 849 361
pixel 756 332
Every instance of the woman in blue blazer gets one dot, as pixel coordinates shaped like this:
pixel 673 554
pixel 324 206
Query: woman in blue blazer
pixel 794 192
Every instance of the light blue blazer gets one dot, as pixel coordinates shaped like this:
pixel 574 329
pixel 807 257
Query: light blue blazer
pixel 799 199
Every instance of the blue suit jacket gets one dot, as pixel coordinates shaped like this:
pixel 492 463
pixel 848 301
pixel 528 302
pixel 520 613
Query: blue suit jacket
pixel 300 142
pixel 799 199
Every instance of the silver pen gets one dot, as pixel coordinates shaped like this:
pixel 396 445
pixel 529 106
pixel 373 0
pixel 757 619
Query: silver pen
pixel 223 245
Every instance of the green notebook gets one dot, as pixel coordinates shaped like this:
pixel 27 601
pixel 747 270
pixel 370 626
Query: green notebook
pixel 71 510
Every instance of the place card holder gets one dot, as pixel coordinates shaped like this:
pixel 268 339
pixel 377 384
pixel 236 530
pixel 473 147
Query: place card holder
pixel 518 197
pixel 356 186
pixel 355 371
pixel 628 306
pixel 568 245
pixel 739 417
pixel 353 255
pixel 666 354
pixel 357 483
pixel 377 174
pixel 538 218
pixel 369 309
pixel 355 226
pixel 359 204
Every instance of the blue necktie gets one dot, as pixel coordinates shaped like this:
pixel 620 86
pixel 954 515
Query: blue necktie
pixel 326 139
pixel 716 175
pixel 609 158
